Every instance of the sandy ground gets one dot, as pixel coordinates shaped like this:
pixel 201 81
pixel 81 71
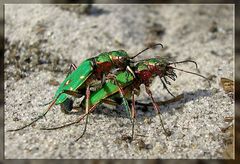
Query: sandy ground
pixel 42 41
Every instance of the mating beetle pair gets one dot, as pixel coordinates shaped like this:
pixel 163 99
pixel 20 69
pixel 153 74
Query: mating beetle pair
pixel 112 75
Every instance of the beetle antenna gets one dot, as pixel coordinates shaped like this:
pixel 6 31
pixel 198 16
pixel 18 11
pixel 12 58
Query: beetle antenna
pixel 152 46
pixel 192 73
pixel 185 61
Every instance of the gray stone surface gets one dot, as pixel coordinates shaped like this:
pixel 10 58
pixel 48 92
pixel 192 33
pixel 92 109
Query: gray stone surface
pixel 42 40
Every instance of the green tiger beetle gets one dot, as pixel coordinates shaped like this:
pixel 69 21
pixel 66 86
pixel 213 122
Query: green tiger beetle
pixel 125 81
pixel 86 75
pixel 127 85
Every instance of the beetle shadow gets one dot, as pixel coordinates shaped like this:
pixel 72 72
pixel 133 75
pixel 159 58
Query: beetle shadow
pixel 120 111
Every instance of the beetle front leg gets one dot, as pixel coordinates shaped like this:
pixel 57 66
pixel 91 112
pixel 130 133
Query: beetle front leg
pixel 133 113
pixel 165 86
pixel 157 109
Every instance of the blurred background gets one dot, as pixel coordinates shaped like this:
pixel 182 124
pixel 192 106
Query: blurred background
pixel 237 80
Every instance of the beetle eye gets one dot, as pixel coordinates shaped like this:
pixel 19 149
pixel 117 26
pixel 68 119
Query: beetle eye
pixel 122 58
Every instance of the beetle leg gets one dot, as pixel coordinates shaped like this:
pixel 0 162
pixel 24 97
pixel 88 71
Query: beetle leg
pixel 65 125
pixel 82 117
pixel 72 123
pixel 165 86
pixel 157 109
pixel 45 104
pixel 133 113
pixel 131 71
pixel 36 119
pixel 72 66
pixel 166 80
pixel 116 102
pixel 103 80
pixel 110 102
pixel 125 102
pixel 73 93
pixel 41 116
pixel 86 111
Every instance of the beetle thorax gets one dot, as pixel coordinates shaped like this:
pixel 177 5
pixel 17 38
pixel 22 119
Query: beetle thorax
pixel 102 64
pixel 120 59
pixel 144 74
pixel 117 60
pixel 102 68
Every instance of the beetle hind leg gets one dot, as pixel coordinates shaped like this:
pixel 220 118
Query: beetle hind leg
pixel 125 102
pixel 72 67
pixel 36 119
pixel 86 111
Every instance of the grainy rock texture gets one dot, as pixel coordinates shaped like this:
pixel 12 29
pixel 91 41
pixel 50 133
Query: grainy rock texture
pixel 42 41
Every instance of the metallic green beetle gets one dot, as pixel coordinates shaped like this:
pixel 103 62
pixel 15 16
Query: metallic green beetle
pixel 144 71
